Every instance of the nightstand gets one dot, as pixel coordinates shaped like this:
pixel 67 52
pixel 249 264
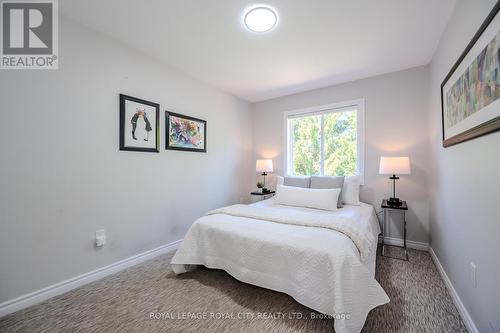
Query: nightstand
pixel 263 196
pixel 402 208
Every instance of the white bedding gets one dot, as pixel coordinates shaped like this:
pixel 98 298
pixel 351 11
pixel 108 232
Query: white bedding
pixel 344 221
pixel 319 267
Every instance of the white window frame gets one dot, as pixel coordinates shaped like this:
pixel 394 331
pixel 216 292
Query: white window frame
pixel 357 104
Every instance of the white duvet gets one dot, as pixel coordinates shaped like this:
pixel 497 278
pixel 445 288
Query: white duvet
pixel 315 256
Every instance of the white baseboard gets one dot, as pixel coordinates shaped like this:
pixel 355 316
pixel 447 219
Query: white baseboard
pixel 409 243
pixel 78 281
pixel 471 327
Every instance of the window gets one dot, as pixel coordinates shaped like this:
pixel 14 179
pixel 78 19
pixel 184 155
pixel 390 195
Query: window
pixel 326 140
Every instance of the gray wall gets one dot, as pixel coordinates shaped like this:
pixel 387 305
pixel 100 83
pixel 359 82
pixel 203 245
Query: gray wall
pixel 396 123
pixel 465 186
pixel 62 176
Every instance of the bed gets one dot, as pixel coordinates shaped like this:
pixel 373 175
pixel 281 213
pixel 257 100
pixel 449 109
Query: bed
pixel 294 251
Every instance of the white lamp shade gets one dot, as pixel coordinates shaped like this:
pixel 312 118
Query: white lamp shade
pixel 264 166
pixel 394 165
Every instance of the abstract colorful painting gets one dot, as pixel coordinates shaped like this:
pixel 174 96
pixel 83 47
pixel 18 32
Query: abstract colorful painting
pixel 477 87
pixel 185 133
pixel 471 91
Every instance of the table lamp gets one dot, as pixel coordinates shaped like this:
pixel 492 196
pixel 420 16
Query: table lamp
pixel 264 166
pixel 394 166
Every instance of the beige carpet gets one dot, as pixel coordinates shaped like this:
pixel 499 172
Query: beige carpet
pixel 127 301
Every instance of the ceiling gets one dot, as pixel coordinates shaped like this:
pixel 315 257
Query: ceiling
pixel 316 43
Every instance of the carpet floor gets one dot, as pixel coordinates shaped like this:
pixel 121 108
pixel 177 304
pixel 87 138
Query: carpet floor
pixel 150 298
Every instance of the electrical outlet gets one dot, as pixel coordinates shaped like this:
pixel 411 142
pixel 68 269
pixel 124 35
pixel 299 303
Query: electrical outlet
pixel 473 274
pixel 100 237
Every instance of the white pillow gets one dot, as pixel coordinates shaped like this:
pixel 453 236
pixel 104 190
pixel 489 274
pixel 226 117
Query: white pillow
pixel 280 180
pixel 307 197
pixel 350 191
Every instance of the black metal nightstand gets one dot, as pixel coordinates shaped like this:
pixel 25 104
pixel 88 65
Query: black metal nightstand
pixel 264 195
pixel 387 207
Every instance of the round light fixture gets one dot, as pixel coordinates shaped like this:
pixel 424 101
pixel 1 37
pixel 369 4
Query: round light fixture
pixel 260 19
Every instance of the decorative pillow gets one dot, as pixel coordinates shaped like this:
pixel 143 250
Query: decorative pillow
pixel 325 199
pixel 329 182
pixel 350 191
pixel 279 180
pixel 297 181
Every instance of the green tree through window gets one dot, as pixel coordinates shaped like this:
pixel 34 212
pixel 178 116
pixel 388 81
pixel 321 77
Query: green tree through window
pixel 306 145
pixel 324 144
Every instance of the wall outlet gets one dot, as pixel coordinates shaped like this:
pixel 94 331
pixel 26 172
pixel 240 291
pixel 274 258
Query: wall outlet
pixel 100 238
pixel 473 274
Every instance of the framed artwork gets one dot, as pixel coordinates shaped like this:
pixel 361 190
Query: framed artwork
pixel 470 93
pixel 185 133
pixel 139 125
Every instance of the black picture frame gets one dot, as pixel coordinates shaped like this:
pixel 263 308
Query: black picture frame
pixel 123 146
pixel 168 114
pixel 487 127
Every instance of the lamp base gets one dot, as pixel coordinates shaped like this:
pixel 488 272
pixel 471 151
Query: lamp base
pixel 394 202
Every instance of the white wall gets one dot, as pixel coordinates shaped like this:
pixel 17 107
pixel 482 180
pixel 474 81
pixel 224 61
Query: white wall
pixel 395 124
pixel 465 186
pixel 62 176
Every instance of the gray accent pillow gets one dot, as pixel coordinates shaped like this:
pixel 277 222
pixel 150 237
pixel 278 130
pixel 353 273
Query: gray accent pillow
pixel 297 181
pixel 329 182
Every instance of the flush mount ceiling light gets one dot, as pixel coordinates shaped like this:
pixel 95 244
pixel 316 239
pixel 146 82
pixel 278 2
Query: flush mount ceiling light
pixel 260 18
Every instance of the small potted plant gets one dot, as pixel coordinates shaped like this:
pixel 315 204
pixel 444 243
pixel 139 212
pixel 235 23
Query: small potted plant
pixel 261 186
